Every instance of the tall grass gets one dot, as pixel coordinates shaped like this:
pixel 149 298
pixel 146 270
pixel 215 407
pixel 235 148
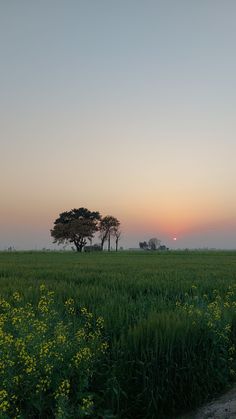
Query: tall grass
pixel 169 319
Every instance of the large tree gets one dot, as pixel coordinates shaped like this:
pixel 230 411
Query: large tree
pixel 76 226
pixel 107 226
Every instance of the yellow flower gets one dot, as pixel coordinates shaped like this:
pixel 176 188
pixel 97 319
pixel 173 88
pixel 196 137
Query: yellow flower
pixel 42 287
pixel 4 404
pixel 87 404
pixel 69 304
pixel 61 339
pixel 16 296
pixel 84 354
pixel 63 389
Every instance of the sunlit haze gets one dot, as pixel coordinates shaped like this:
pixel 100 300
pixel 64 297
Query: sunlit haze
pixel 127 108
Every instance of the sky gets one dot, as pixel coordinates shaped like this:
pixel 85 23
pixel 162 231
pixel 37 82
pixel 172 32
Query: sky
pixel 124 107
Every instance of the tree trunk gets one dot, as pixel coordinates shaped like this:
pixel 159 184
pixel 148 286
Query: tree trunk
pixel 109 242
pixel 78 246
pixel 117 240
pixel 102 242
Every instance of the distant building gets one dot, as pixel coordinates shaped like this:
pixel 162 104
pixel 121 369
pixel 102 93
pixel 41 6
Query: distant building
pixel 93 248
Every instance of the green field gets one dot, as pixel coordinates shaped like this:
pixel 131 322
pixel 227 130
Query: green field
pixel 169 321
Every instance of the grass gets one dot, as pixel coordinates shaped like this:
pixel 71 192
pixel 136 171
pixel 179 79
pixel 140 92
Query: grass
pixel 169 319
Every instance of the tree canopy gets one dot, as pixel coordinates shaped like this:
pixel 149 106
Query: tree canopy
pixel 75 226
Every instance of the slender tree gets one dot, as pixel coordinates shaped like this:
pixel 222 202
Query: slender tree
pixel 106 229
pixel 116 234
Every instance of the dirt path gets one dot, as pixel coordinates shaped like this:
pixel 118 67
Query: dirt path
pixel 223 407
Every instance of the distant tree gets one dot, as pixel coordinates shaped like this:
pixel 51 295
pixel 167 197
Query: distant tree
pixel 75 226
pixel 106 228
pixel 143 245
pixel 117 234
pixel 163 248
pixel 153 243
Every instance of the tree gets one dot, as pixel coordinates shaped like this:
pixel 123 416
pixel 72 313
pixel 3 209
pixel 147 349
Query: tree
pixel 106 228
pixel 143 245
pixel 154 243
pixel 75 226
pixel 117 234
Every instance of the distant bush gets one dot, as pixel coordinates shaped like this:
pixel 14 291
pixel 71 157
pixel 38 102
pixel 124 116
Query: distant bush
pixel 93 248
pixel 47 360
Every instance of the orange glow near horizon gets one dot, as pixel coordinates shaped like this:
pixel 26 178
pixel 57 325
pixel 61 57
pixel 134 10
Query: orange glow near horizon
pixel 177 221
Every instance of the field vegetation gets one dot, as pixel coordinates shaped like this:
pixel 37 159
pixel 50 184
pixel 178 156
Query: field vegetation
pixel 167 343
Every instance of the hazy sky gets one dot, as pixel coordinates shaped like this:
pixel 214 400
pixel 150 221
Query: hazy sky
pixel 126 107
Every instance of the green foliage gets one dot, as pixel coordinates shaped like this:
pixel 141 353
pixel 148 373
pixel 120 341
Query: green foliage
pixel 170 319
pixel 47 360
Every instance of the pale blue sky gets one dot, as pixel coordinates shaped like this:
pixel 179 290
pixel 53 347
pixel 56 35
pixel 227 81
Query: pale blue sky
pixel 127 107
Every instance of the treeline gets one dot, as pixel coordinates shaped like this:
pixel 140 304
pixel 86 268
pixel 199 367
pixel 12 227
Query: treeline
pixel 152 244
pixel 78 226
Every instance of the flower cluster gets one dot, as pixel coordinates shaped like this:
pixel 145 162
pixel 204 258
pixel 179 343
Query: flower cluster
pixel 47 357
pixel 216 314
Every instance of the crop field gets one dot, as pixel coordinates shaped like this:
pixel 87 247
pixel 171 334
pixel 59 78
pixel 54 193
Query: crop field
pixel 115 335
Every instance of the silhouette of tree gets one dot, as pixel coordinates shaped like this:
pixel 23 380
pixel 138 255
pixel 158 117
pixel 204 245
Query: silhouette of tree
pixel 153 243
pixel 116 234
pixel 143 245
pixel 75 226
pixel 106 229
